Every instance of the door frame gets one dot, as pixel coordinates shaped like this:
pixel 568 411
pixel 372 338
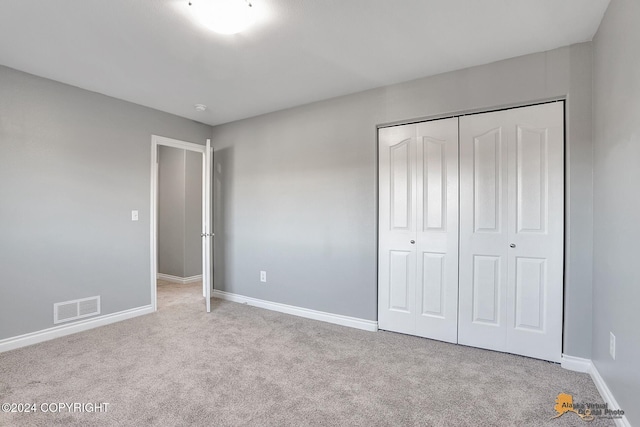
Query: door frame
pixel 156 142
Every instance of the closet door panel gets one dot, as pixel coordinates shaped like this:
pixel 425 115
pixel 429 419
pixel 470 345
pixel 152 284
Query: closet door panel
pixel 536 224
pixel 397 228
pixel 487 179
pixel 483 230
pixel 437 229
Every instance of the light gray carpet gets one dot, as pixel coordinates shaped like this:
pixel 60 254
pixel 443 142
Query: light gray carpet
pixel 241 365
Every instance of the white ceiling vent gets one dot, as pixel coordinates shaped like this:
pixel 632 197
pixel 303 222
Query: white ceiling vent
pixel 76 309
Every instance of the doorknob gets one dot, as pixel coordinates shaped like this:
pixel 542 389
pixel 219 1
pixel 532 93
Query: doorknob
pixel 513 245
pixel 413 241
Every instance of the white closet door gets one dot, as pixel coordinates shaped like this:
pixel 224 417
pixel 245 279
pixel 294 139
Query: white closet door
pixel 536 224
pixel 397 229
pixel 511 230
pixel 437 230
pixel 418 226
pixel 483 230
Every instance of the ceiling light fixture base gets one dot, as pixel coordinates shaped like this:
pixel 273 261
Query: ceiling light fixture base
pixel 224 16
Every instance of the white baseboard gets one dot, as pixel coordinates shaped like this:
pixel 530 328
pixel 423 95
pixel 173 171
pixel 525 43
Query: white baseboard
pixel 607 396
pixel 577 364
pixel 580 364
pixel 353 322
pixel 72 328
pixel 176 279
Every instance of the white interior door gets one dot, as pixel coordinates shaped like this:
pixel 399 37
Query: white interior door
pixel 207 232
pixel 511 230
pixel 418 229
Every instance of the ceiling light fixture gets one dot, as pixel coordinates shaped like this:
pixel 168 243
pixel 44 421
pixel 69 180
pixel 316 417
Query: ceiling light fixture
pixel 200 107
pixel 224 16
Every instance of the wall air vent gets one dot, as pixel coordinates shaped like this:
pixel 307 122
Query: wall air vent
pixel 76 309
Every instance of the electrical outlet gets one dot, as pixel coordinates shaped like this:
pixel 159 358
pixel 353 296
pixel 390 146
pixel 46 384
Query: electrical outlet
pixel 263 276
pixel 612 345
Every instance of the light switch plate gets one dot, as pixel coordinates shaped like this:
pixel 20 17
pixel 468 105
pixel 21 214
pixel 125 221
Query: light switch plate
pixel 134 215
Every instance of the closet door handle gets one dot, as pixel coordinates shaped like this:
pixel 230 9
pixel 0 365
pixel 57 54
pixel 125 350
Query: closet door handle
pixel 413 242
pixel 513 245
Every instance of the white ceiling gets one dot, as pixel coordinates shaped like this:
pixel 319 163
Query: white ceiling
pixel 153 53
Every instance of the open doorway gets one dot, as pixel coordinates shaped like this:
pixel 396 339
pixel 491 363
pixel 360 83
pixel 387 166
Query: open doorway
pixel 180 219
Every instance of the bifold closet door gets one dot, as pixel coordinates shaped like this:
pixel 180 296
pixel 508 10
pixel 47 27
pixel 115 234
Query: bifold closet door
pixel 511 230
pixel 418 229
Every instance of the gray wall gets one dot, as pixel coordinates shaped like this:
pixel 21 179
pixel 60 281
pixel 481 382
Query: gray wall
pixel 616 289
pixel 296 189
pixel 171 211
pixel 179 212
pixel 192 214
pixel 73 164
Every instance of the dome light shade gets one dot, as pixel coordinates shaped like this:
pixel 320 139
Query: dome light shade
pixel 224 16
